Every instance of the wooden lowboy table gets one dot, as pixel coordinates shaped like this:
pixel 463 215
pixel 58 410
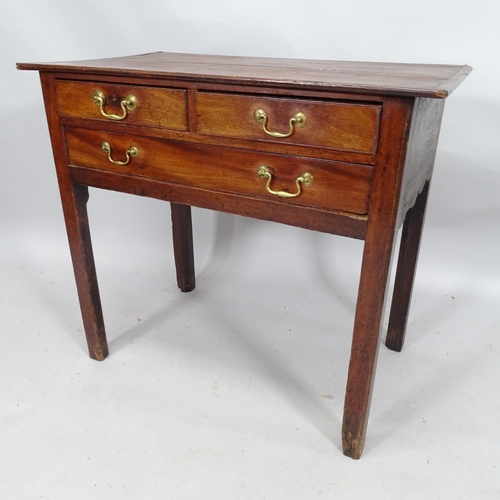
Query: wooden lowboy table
pixel 340 147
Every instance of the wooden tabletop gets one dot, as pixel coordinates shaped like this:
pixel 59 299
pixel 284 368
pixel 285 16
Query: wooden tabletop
pixel 418 80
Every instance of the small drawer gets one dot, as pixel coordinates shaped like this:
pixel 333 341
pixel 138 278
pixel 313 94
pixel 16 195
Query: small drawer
pixel 336 186
pixel 148 106
pixel 325 124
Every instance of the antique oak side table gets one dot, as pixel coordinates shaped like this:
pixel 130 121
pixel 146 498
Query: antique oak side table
pixel 341 147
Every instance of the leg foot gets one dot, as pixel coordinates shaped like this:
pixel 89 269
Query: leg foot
pixel 353 444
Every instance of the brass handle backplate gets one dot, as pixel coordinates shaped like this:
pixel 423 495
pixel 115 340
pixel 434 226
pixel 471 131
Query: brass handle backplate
pixel 306 179
pixel 131 152
pixel 297 120
pixel 129 103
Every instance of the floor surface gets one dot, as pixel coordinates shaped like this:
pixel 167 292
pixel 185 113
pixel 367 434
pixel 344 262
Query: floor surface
pixel 235 391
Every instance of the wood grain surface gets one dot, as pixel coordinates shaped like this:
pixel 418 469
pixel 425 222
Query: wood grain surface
pixel 337 186
pixel 157 107
pixel 330 124
pixel 426 80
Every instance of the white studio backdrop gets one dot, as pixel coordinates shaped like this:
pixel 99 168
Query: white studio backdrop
pixel 461 246
pixel 420 31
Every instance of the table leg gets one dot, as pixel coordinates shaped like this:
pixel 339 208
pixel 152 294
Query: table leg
pixel 379 244
pixel 182 230
pixel 77 225
pixel 367 323
pixel 405 273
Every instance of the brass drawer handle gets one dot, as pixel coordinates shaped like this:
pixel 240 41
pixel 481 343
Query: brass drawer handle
pixel 298 120
pixel 131 152
pixel 306 178
pixel 129 103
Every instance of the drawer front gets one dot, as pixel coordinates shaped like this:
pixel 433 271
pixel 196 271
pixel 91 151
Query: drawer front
pixel 336 186
pixel 327 124
pixel 150 106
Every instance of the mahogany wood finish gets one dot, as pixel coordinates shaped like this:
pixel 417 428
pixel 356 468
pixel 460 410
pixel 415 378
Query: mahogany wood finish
pixel 344 224
pixel 72 100
pixel 77 226
pixel 379 242
pixel 370 141
pixel 405 272
pixel 337 186
pixel 182 230
pixel 330 124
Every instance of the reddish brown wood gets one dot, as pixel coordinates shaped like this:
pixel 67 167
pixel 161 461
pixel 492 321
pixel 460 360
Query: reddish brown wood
pixel 337 186
pixel 156 107
pixel 422 147
pixel 77 226
pixel 74 202
pixel 192 113
pixel 350 225
pixel 330 124
pixel 229 142
pixel 426 80
pixel 182 230
pixel 201 84
pixel 370 144
pixel 405 273
pixel 379 240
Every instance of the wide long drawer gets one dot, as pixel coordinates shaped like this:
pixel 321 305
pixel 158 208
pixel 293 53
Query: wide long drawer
pixel 347 126
pixel 138 105
pixel 335 186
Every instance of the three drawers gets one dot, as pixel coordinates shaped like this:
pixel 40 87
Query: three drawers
pixel 246 168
